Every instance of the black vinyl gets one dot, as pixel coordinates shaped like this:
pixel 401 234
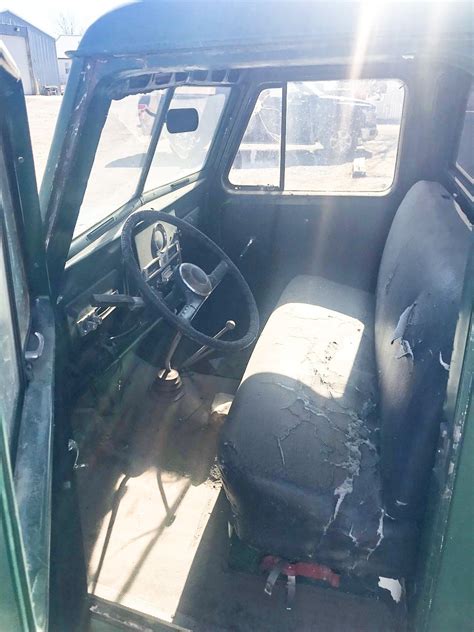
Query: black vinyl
pixel 159 302
pixel 418 296
pixel 332 423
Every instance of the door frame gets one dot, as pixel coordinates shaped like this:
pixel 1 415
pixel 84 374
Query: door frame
pixel 26 464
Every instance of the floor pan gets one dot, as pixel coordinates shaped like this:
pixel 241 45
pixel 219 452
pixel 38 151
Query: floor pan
pixel 156 537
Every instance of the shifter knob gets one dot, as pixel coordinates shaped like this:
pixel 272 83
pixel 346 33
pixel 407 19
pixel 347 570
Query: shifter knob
pixel 230 325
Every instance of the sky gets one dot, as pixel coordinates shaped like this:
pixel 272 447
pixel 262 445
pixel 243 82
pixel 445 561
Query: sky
pixel 44 13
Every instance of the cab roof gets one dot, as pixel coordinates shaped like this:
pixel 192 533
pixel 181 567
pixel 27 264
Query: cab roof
pixel 241 34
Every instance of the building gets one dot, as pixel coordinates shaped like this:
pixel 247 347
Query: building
pixel 33 50
pixel 64 44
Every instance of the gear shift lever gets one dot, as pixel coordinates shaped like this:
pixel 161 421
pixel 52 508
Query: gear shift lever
pixel 204 351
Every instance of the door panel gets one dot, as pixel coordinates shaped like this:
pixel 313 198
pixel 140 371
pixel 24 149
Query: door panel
pixel 338 237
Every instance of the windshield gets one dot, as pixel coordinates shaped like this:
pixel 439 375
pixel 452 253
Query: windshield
pixel 180 155
pixel 125 141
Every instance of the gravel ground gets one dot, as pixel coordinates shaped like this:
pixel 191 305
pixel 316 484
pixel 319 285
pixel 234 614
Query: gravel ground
pixel 42 116
pixel 315 172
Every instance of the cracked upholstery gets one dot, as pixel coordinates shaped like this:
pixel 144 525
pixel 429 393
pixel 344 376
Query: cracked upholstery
pixel 299 449
pixel 330 440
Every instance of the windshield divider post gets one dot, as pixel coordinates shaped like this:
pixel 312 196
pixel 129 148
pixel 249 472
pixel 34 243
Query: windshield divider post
pixel 284 94
pixel 155 137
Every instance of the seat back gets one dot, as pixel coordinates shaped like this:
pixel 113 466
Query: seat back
pixel 417 304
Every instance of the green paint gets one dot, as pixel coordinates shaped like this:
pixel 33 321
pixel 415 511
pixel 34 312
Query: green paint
pixel 15 603
pixel 445 599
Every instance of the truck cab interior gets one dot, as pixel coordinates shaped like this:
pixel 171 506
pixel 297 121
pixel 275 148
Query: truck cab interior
pixel 259 259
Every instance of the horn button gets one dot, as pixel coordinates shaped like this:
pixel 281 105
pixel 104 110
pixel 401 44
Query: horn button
pixel 195 279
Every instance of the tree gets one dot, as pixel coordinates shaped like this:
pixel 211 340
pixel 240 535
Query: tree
pixel 67 25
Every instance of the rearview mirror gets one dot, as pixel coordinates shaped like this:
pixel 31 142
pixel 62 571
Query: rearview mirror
pixel 182 120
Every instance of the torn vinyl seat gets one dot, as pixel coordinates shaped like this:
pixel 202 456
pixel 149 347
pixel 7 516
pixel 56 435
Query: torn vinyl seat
pixel 328 447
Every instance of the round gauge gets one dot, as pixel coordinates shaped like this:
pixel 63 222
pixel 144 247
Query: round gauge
pixel 159 239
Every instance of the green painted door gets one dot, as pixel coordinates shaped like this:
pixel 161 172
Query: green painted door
pixel 27 338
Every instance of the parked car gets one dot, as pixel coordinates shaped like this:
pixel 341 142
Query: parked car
pixel 335 123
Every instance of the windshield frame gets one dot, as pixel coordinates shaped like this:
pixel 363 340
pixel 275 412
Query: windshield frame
pixel 93 85
pixel 140 195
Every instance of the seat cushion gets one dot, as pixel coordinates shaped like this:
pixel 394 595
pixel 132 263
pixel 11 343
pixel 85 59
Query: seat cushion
pixel 298 453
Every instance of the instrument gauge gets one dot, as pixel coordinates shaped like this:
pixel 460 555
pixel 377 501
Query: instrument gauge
pixel 159 240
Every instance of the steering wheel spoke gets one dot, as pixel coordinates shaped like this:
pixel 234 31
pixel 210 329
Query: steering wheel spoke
pixel 218 274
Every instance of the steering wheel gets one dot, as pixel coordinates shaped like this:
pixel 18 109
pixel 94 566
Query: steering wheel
pixel 192 285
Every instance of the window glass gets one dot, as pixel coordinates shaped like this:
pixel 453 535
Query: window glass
pixel 180 155
pixel 119 157
pixel 257 163
pixel 465 159
pixel 9 371
pixel 341 136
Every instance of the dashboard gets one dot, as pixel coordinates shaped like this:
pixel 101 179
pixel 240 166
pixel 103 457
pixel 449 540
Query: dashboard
pixel 100 333
pixel 158 251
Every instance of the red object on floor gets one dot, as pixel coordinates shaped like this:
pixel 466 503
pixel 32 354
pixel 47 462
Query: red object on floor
pixel 303 569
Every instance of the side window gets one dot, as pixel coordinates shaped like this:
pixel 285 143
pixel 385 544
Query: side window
pixel 341 137
pixel 257 162
pixel 465 157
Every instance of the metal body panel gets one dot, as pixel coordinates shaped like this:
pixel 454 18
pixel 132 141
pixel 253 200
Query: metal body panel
pixel 34 466
pixel 445 591
pixel 16 613
pixel 27 530
pixel 233 33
